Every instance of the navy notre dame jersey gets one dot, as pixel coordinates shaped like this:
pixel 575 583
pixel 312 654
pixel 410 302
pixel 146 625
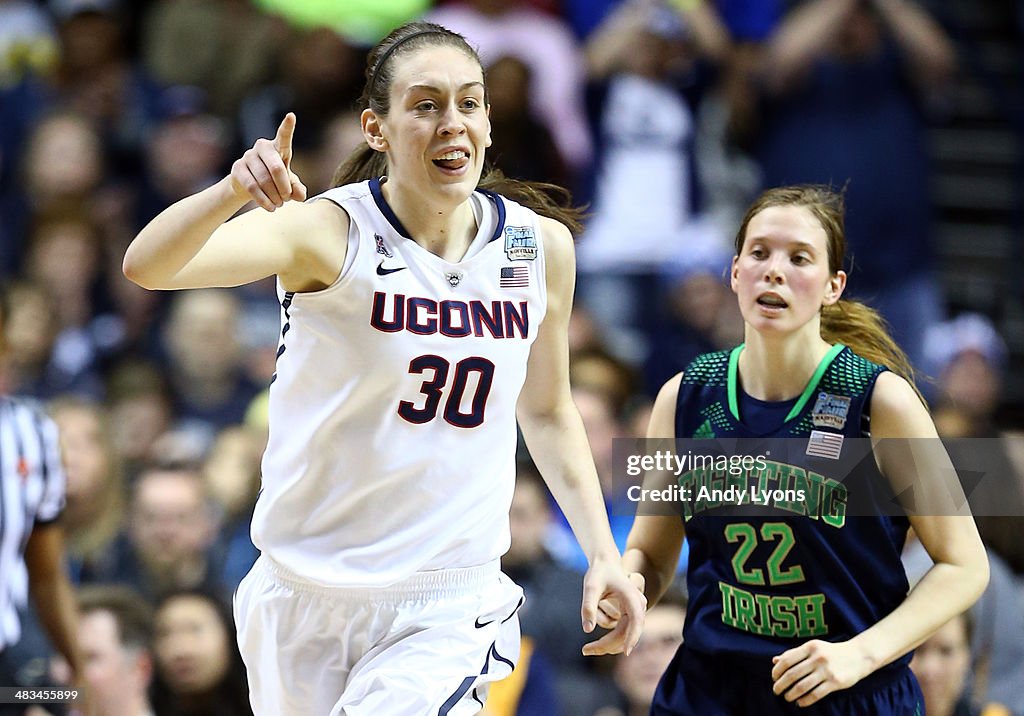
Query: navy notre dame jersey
pixel 759 585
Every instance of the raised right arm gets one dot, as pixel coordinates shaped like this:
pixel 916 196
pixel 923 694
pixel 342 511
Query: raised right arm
pixel 191 244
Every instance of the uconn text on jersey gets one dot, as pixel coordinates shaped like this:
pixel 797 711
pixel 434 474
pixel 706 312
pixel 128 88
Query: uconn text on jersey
pixel 456 319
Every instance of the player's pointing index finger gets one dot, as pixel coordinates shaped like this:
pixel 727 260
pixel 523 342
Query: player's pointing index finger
pixel 283 140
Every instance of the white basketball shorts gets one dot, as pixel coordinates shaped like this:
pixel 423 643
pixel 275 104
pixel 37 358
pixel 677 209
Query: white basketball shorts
pixel 431 644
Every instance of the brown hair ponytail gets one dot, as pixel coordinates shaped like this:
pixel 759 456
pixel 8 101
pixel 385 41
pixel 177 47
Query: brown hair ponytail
pixel 860 327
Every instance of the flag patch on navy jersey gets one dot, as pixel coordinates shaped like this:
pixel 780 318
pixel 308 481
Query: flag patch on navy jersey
pixel 514 277
pixel 823 444
pixel 830 411
pixel 520 243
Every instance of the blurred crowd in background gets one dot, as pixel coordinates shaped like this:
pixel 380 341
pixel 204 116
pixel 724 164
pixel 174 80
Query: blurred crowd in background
pixel 665 117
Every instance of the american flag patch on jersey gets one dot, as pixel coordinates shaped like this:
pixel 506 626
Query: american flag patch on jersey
pixel 823 444
pixel 514 277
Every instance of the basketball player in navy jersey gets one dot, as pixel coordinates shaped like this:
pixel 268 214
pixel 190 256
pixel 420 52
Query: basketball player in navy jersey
pixel 424 309
pixel 810 613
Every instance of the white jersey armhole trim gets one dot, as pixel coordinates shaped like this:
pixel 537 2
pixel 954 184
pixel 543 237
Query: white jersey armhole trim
pixel 351 254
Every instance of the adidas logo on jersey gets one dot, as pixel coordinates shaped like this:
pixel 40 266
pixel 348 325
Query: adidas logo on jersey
pixel 704 431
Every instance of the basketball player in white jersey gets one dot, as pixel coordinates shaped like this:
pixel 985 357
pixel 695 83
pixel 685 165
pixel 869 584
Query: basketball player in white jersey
pixel 422 315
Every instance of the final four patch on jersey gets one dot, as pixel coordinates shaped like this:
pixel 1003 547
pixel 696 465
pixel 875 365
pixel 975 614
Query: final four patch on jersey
pixel 520 243
pixel 830 411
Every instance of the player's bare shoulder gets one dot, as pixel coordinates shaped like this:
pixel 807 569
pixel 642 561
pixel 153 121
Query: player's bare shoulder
pixel 558 240
pixel 319 232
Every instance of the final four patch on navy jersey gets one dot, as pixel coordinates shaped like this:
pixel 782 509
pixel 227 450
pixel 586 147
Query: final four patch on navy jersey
pixel 830 411
pixel 520 243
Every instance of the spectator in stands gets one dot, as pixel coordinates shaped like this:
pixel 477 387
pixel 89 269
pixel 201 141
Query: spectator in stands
pixel 319 78
pixel 969 359
pixel 65 257
pixel 863 71
pixel 502 28
pixel 97 77
pixel 207 374
pixel 226 47
pixel 636 676
pixel 995 639
pixel 340 136
pixel 941 665
pixel 603 423
pixel 529 690
pixel 94 509
pixel 29 332
pixel 140 412
pixel 699 315
pixel 61 167
pixel 521 146
pixel 169 542
pixel 597 370
pixel 36 596
pixel 199 669
pixel 232 475
pixel 548 616
pixel 115 631
pixel 648 69
pixel 171 174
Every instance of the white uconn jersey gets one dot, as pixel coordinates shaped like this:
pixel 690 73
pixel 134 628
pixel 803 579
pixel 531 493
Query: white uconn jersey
pixel 392 412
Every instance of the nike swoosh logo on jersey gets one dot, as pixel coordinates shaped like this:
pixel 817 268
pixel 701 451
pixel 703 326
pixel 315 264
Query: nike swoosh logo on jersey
pixel 381 271
pixel 480 625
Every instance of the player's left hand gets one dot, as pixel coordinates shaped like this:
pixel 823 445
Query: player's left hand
pixel 809 672
pixel 607 583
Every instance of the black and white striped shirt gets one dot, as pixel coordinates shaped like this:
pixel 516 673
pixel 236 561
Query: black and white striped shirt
pixel 31 493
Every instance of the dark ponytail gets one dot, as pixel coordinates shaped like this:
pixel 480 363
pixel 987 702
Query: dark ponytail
pixel 550 200
pixel 362 164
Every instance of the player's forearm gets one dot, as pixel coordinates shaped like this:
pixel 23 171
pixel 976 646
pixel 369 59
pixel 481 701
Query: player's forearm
pixel 558 446
pixel 945 591
pixel 54 601
pixel 656 578
pixel 172 239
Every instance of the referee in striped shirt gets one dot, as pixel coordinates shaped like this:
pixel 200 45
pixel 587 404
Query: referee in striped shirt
pixel 32 561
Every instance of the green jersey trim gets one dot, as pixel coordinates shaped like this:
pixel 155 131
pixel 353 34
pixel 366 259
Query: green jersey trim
pixel 732 382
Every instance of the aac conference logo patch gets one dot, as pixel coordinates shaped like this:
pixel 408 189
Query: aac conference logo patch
pixel 520 243
pixel 830 411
